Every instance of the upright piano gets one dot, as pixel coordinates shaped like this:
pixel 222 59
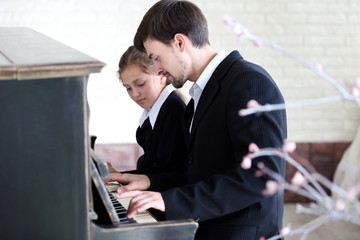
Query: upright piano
pixel 50 178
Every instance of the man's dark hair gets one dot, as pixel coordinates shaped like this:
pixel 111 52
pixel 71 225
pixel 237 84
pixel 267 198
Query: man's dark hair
pixel 169 17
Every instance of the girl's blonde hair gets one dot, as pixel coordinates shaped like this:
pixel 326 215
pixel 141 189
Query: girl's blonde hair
pixel 133 56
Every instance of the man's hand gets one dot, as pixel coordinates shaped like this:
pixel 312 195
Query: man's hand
pixel 110 168
pixel 132 181
pixel 142 200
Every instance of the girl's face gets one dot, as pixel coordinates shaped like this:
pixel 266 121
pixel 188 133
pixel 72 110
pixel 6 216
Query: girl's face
pixel 142 87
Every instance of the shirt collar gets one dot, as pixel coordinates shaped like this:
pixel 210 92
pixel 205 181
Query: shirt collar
pixel 197 88
pixel 153 112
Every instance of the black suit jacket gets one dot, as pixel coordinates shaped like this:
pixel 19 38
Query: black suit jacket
pixel 225 199
pixel 164 147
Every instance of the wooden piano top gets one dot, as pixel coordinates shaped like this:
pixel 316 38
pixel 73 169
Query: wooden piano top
pixel 27 54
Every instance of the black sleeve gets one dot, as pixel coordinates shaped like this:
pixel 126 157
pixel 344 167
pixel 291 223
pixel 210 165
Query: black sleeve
pixel 236 189
pixel 169 149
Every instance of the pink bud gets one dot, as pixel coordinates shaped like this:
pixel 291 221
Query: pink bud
pixel 257 43
pixel 252 104
pixel 242 112
pixel 271 187
pixel 298 179
pixel 318 66
pixel 253 148
pixel 357 82
pixel 355 91
pixel 246 162
pixel 340 205
pixel 290 146
pixel 237 30
pixel 262 238
pixel 228 20
pixel 285 230
pixel 225 18
pixel 353 191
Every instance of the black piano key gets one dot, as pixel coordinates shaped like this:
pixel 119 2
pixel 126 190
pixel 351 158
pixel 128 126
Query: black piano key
pixel 120 210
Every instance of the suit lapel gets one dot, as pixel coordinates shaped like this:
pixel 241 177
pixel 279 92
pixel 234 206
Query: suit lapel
pixel 206 98
pixel 211 90
pixel 189 112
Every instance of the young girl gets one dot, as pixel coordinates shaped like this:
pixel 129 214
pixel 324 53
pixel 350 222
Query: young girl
pixel 160 132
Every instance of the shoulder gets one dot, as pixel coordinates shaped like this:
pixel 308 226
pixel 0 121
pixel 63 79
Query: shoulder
pixel 172 108
pixel 174 101
pixel 237 70
pixel 247 79
pixel 171 111
pixel 235 67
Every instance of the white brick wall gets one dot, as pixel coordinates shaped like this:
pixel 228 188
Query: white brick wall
pixel 325 31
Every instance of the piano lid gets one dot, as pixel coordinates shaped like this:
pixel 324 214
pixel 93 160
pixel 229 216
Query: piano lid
pixel 27 54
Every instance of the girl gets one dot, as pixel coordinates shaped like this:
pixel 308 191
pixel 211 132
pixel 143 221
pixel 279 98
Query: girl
pixel 160 132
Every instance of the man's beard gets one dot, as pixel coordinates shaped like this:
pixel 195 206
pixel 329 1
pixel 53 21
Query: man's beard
pixel 177 82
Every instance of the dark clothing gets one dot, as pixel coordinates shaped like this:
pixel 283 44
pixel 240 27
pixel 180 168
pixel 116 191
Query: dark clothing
pixel 164 147
pixel 225 199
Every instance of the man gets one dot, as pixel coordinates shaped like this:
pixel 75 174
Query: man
pixel 224 198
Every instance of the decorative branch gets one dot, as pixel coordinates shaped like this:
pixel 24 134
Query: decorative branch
pixel 303 183
pixel 309 185
pixel 244 34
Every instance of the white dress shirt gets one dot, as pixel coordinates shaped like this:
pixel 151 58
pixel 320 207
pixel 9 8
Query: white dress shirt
pixel 198 87
pixel 153 112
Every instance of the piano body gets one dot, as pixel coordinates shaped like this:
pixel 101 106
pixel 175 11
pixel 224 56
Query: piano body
pixel 50 179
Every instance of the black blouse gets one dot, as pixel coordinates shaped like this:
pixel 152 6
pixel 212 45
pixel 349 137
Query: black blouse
pixel 164 146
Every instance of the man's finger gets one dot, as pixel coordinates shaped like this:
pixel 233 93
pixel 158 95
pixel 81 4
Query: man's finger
pixel 132 211
pixel 116 177
pixel 128 194
pixel 139 203
pixel 126 188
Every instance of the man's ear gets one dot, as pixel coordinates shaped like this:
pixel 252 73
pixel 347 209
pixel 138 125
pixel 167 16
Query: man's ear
pixel 180 41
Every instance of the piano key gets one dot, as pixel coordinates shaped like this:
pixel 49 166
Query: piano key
pixel 143 217
pixel 120 210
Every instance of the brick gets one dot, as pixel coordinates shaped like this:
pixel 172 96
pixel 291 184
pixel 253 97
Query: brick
pixel 324 31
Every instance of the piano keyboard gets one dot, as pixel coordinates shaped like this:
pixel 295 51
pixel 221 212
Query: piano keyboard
pixel 121 206
pixel 120 210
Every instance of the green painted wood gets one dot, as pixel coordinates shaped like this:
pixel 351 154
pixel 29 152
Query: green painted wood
pixel 44 139
pixel 32 55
